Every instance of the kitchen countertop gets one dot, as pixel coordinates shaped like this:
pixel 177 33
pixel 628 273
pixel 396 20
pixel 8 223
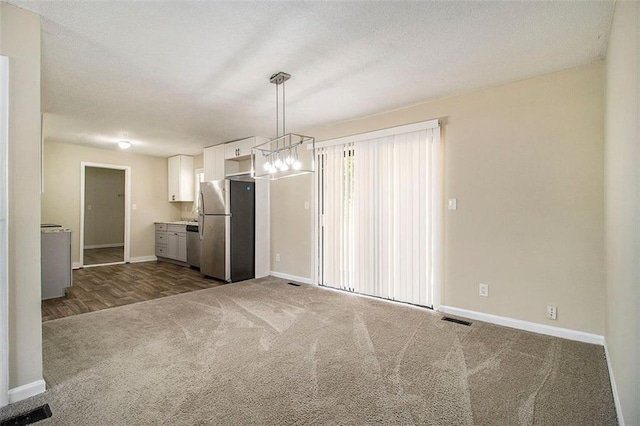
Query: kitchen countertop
pixel 54 230
pixel 181 222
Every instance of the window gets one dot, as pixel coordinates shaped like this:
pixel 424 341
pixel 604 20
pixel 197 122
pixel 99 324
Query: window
pixel 379 202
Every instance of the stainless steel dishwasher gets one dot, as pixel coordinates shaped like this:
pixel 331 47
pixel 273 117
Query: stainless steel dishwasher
pixel 193 246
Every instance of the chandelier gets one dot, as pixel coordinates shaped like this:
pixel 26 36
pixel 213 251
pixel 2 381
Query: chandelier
pixel 284 155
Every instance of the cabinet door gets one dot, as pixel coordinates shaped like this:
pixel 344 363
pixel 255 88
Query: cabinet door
pixel 209 163
pixel 219 172
pixel 180 172
pixel 214 163
pixel 241 148
pixel 172 245
pixel 244 147
pixel 186 178
pixel 174 178
pixel 230 150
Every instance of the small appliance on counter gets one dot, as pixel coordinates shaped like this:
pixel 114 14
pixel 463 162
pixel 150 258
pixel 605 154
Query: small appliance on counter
pixel 227 230
pixel 55 247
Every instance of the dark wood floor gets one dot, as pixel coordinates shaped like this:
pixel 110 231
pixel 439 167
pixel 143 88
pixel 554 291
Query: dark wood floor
pixel 103 255
pixel 103 287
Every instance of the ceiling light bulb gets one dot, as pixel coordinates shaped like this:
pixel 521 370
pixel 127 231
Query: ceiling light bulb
pixel 124 144
pixel 273 170
pixel 297 165
pixel 278 162
pixel 284 167
pixel 267 166
pixel 289 159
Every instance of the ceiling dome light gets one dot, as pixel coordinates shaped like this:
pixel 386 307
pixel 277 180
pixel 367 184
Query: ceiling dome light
pixel 124 144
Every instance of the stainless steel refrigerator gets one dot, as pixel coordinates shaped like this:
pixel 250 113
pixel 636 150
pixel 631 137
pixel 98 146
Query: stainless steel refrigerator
pixel 227 229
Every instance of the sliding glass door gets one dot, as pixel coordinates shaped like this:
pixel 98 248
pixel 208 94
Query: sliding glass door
pixel 379 216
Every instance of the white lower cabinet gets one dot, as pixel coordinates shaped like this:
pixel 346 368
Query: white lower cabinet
pixel 171 241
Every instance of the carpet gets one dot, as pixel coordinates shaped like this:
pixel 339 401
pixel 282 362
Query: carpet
pixel 264 352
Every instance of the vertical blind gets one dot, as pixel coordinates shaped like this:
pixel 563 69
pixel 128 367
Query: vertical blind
pixel 376 201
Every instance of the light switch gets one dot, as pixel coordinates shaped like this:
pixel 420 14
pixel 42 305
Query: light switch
pixel 306 205
pixel 134 207
pixel 88 206
pixel 453 204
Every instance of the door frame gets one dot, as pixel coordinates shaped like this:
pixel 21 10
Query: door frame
pixel 4 231
pixel 127 209
pixel 437 200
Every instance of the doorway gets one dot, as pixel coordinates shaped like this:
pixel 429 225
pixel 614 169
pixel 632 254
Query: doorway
pixel 104 227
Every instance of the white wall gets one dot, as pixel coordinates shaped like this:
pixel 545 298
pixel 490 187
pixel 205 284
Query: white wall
pixel 525 161
pixel 622 167
pixel 61 199
pixel 20 41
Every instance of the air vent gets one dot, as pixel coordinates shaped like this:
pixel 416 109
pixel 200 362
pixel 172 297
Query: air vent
pixel 33 416
pixel 294 284
pixel 457 321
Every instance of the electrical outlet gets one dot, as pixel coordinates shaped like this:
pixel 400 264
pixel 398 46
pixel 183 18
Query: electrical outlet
pixel 453 204
pixel 552 312
pixel 306 205
pixel 277 257
pixel 484 290
pixel 134 207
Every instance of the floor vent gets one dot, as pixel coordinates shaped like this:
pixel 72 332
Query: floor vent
pixel 33 416
pixel 294 284
pixel 457 321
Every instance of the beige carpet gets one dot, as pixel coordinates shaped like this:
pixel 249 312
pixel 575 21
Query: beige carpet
pixel 264 352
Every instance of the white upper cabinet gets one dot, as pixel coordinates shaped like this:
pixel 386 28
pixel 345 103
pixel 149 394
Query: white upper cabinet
pixel 181 178
pixel 239 149
pixel 214 163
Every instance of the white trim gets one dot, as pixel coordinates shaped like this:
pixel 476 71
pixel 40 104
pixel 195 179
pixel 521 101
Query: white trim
pixel 390 131
pixel 303 280
pixel 103 264
pixel 381 299
pixel 4 230
pixel 27 391
pixel 565 333
pixel 76 265
pixel 614 388
pixel 437 247
pixel 127 207
pixel 139 259
pixel 315 226
pixel 312 222
pixel 97 246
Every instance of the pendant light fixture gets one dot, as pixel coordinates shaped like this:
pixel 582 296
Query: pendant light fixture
pixel 282 156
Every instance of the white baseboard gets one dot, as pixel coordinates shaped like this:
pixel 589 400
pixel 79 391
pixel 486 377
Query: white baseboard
pixel 549 330
pixel 95 246
pixel 614 388
pixel 27 391
pixel 303 280
pixel 76 265
pixel 142 259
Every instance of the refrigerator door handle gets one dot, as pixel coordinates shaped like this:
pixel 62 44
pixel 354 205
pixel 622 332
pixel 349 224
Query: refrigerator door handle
pixel 201 216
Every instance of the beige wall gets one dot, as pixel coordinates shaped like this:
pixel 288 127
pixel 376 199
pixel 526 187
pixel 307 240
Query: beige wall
pixel 622 206
pixel 61 199
pixel 525 161
pixel 20 41
pixel 104 205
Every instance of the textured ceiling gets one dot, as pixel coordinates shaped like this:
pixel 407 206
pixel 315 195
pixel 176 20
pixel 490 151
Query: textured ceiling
pixel 174 77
